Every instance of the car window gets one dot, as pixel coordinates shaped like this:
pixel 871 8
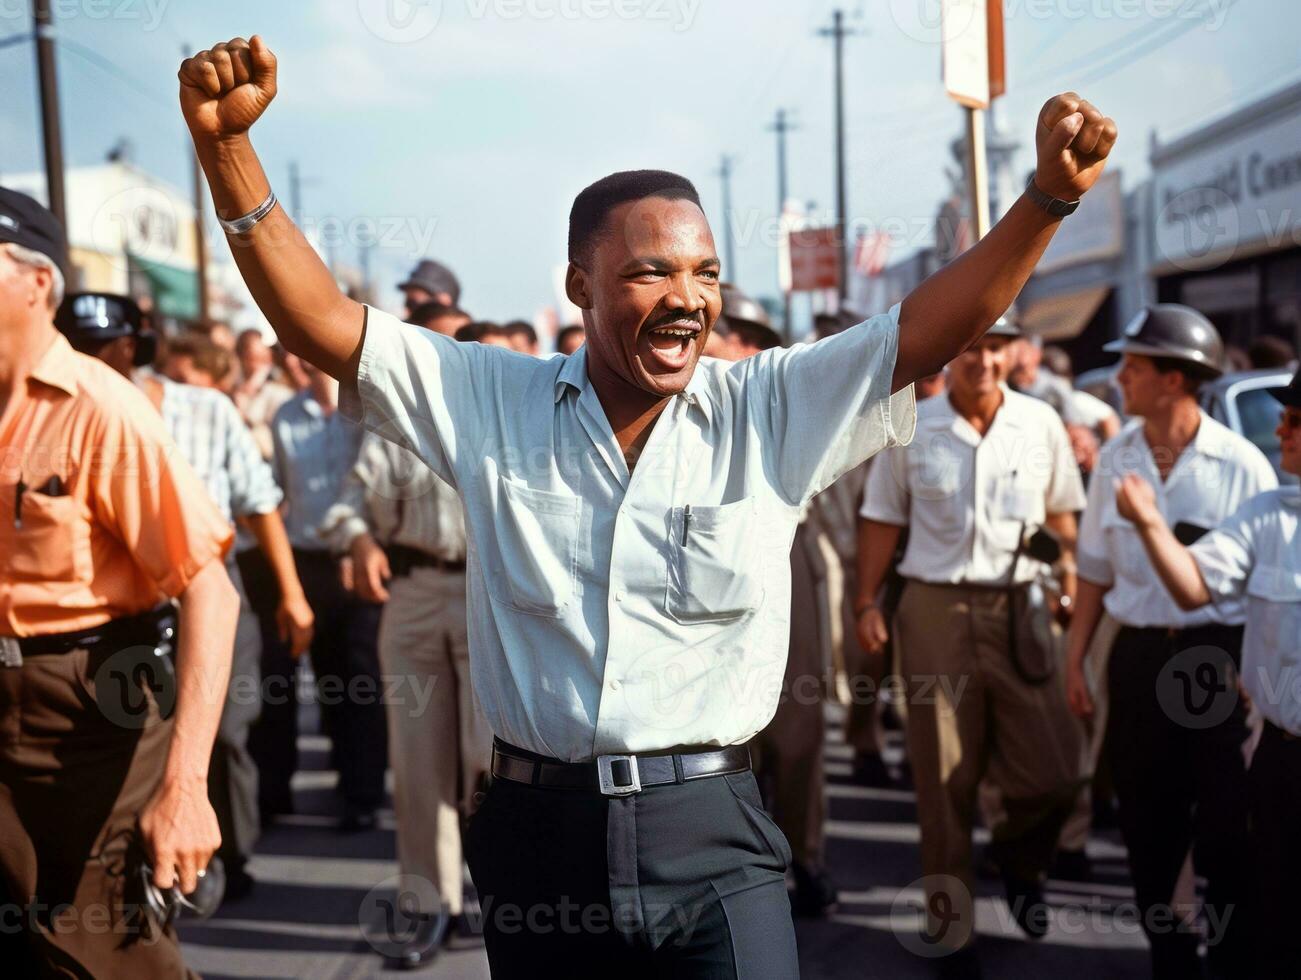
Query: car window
pixel 1258 413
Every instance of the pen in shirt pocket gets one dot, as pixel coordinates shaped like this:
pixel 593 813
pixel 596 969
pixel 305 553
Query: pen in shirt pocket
pixel 686 522
pixel 19 490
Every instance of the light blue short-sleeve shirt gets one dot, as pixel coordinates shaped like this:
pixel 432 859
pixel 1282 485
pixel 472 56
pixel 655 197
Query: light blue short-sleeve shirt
pixel 620 612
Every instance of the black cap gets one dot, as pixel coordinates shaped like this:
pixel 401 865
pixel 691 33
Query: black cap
pixel 741 313
pixel 1291 395
pixel 1005 326
pixel 1173 331
pixel 434 278
pixel 25 222
pixel 91 319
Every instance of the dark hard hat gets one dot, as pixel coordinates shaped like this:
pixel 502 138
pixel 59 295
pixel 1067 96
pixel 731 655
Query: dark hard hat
pixel 91 319
pixel 1173 331
pixel 434 278
pixel 1291 395
pixel 740 312
pixel 25 222
pixel 1004 326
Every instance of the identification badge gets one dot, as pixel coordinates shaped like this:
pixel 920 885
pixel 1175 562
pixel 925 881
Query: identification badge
pixel 11 655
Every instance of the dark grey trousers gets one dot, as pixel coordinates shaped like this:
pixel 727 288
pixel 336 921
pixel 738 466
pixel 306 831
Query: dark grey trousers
pixel 232 773
pixel 681 881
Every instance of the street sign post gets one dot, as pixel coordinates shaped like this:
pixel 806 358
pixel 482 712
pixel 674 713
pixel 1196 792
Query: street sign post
pixel 973 72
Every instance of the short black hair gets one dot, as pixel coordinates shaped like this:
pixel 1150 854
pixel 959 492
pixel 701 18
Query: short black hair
pixel 427 313
pixel 565 332
pixel 476 331
pixel 597 200
pixel 1195 375
pixel 521 326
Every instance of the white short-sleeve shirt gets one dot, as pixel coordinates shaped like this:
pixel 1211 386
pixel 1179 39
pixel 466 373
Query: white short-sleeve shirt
pixel 630 612
pixel 1214 474
pixel 967 500
pixel 1256 553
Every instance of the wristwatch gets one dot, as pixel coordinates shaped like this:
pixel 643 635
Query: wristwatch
pixel 1057 208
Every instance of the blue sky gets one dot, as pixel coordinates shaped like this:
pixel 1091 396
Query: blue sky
pixel 469 125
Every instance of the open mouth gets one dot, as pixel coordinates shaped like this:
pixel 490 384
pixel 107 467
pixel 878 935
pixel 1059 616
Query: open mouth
pixel 669 346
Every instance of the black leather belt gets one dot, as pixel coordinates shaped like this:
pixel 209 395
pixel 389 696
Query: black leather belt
pixel 402 560
pixel 156 626
pixel 616 775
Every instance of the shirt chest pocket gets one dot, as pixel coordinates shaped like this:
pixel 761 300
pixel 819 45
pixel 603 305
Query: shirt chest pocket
pixel 1276 583
pixel 45 544
pixel 536 549
pixel 1275 612
pixel 714 573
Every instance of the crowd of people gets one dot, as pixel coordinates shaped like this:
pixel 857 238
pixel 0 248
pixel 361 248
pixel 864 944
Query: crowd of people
pixel 495 564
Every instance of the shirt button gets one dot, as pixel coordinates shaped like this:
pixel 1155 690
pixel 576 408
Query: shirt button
pixel 620 595
pixel 615 685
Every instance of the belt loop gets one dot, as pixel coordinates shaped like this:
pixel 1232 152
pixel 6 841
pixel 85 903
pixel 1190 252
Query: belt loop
pixel 678 777
pixel 536 773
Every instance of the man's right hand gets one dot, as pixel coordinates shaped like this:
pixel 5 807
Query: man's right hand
pixel 1077 688
pixel 226 88
pixel 872 632
pixel 370 569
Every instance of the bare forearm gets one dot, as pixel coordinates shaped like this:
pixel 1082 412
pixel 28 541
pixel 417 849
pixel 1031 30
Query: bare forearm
pixel 269 529
pixel 290 283
pixel 1175 565
pixel 947 313
pixel 876 547
pixel 1088 612
pixel 209 608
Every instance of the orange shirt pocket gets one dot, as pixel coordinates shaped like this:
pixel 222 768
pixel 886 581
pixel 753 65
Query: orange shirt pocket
pixel 45 546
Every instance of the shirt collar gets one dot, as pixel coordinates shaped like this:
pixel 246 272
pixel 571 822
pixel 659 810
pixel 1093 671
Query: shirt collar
pixel 573 374
pixel 58 366
pixel 1210 439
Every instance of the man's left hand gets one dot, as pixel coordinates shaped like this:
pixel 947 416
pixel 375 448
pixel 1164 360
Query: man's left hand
pixel 179 831
pixel 1073 140
pixel 295 622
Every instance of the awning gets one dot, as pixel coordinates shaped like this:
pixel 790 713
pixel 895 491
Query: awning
pixel 1064 316
pixel 175 291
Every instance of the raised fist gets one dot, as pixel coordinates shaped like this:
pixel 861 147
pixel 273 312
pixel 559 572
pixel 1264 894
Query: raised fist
pixel 1073 140
pixel 226 88
pixel 1136 500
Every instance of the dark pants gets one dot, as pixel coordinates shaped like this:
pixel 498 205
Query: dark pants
pixel 680 881
pixel 345 661
pixel 1176 757
pixel 1275 778
pixel 73 780
pixel 232 773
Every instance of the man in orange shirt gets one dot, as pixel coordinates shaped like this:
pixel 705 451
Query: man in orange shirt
pixel 101 523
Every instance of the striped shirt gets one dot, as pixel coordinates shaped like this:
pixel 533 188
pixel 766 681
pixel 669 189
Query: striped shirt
pixel 395 497
pixel 314 450
pixel 208 430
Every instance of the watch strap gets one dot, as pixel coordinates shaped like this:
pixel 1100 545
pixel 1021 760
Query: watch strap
pixel 1054 206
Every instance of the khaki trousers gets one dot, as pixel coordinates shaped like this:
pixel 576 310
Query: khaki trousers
pixel 971 716
pixel 439 749
pixel 73 780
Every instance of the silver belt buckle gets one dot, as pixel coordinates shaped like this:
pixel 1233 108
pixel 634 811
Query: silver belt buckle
pixel 606 777
pixel 11 654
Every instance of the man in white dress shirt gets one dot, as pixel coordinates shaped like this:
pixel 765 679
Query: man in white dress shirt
pixel 629 516
pixel 1177 764
pixel 1254 554
pixel 987 469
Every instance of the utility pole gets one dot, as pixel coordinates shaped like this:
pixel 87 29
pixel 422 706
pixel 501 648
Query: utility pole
pixel 838 32
pixel 781 127
pixel 50 126
pixel 729 255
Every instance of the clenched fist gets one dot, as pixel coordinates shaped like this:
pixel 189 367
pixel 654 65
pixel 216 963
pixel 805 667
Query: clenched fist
pixel 1073 140
pixel 226 88
pixel 1136 500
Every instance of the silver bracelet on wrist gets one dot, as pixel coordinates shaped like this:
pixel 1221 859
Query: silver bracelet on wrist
pixel 245 223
